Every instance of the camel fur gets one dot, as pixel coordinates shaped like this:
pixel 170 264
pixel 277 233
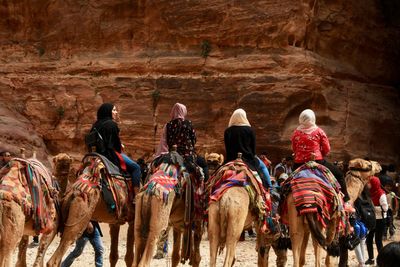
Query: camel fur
pixel 16 227
pixel 78 208
pixel 301 226
pixel 153 215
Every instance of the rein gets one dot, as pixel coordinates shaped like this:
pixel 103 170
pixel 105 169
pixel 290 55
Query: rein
pixel 361 169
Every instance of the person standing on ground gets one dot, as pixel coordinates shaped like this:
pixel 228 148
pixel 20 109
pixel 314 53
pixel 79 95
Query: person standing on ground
pixel 92 234
pixel 379 200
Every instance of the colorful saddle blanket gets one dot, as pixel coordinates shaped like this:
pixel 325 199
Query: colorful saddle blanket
pixel 29 183
pixel 165 179
pixel 237 173
pixel 315 190
pixel 94 176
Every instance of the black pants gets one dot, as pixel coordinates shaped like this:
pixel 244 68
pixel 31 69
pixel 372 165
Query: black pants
pixel 378 233
pixel 336 172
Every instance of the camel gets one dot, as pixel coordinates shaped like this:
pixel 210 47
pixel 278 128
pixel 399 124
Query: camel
pixel 228 217
pixel 84 201
pixel 13 218
pixel 156 208
pixel 214 161
pixel 300 226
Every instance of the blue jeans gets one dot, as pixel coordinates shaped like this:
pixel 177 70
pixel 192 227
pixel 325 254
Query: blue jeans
pixel 133 168
pixel 97 244
pixel 267 179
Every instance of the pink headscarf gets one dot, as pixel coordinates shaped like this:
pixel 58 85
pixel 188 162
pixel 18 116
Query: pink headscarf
pixel 178 111
pixel 376 190
pixel 307 121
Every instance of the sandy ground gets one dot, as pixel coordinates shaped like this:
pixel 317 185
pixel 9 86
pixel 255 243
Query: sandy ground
pixel 246 254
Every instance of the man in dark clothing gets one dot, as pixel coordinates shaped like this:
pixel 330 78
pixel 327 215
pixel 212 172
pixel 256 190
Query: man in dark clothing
pixel 92 234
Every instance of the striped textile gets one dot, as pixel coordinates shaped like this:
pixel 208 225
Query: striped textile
pixel 165 179
pixel 315 190
pixel 237 173
pixel 90 179
pixel 29 183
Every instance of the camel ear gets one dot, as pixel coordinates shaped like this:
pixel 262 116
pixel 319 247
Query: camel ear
pixel 55 160
pixel 206 156
pixel 221 159
pixel 376 167
pixel 358 164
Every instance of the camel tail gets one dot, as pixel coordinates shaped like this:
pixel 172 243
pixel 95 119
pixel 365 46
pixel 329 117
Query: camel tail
pixel 223 223
pixel 145 214
pixel 314 229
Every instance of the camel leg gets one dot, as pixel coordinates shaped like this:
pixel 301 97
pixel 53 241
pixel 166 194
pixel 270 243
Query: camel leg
pixel 306 237
pixel 12 230
pixel 22 247
pixel 158 222
pixel 263 255
pixel 140 241
pixel 317 252
pixel 130 239
pixel 281 256
pixel 44 243
pixel 214 230
pixel 176 255
pixel 235 219
pixel 296 230
pixel 198 233
pixel 78 218
pixel 114 235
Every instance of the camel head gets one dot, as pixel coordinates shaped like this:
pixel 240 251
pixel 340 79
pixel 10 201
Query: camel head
pixel 62 166
pixel 360 171
pixel 214 160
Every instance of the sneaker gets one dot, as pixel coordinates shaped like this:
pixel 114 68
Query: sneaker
pixel 349 208
pixel 370 262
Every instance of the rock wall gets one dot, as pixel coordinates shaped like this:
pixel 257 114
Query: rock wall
pixel 62 59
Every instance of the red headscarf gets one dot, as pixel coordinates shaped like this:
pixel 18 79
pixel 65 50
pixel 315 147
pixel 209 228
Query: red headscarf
pixel 376 190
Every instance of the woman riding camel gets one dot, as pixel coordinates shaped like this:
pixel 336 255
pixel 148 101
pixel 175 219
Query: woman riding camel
pixel 309 142
pixel 106 125
pixel 240 137
pixel 179 131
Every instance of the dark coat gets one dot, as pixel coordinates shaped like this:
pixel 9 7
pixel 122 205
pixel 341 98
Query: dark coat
pixel 109 131
pixel 241 139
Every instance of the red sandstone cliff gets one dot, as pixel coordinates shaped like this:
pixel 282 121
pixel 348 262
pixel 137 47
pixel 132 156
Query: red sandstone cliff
pixel 62 59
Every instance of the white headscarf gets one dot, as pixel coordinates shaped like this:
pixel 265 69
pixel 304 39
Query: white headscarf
pixel 307 121
pixel 239 118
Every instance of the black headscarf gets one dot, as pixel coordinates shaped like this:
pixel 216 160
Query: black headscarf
pixel 109 131
pixel 105 111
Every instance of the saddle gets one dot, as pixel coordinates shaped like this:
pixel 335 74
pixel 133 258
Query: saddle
pixel 314 190
pixel 34 190
pixel 237 173
pixel 98 172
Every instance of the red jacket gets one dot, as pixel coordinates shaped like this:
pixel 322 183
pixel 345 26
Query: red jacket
pixel 304 145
